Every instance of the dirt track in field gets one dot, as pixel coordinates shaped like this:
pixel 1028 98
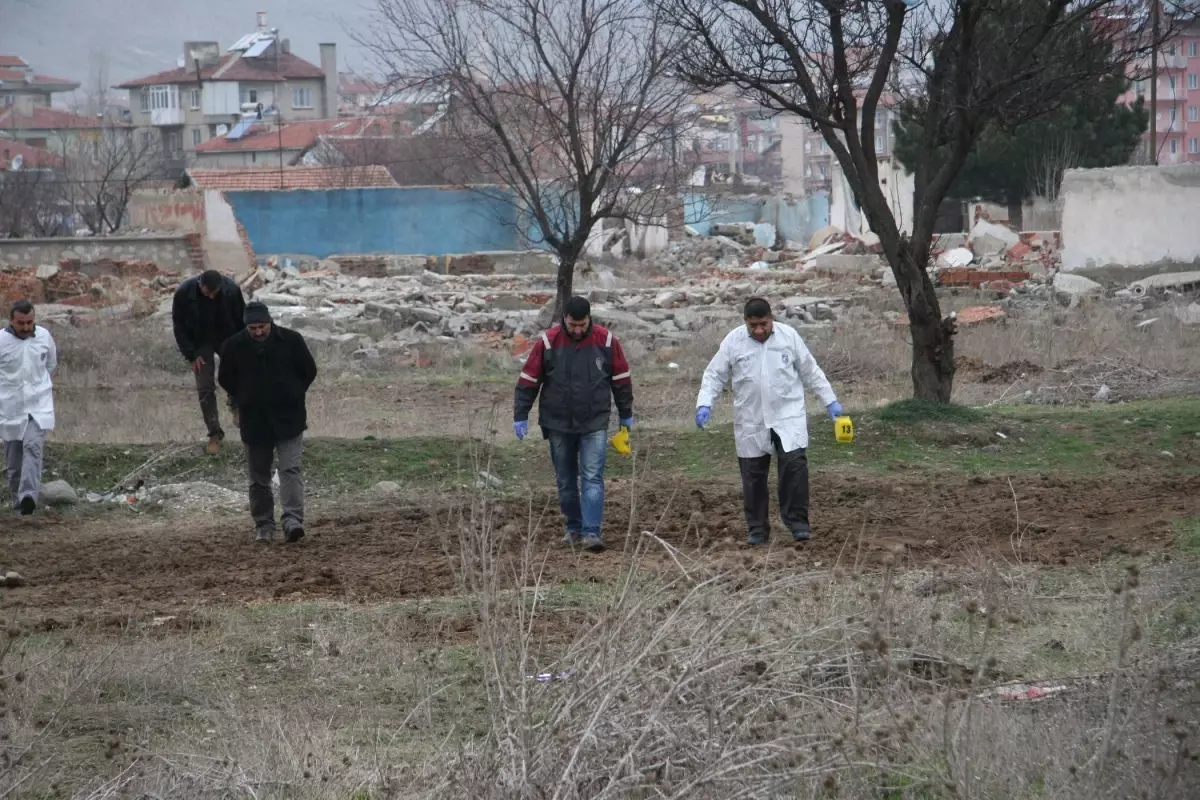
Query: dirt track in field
pixel 109 571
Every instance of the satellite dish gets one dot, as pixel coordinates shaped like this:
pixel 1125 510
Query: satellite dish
pixel 222 129
pixel 17 161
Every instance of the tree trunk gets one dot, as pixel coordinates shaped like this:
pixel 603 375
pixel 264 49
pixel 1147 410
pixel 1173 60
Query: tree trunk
pixel 932 336
pixel 566 283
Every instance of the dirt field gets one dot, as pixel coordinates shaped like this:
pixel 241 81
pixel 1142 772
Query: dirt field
pixel 111 572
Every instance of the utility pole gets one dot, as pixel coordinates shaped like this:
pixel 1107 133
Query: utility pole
pixel 1154 84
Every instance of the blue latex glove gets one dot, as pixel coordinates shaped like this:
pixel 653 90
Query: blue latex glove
pixel 627 423
pixel 702 416
pixel 834 409
pixel 521 428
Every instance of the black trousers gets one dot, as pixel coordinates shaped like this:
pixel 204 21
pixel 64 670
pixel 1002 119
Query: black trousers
pixel 793 489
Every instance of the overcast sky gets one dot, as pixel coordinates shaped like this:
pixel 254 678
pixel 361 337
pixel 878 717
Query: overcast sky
pixel 63 37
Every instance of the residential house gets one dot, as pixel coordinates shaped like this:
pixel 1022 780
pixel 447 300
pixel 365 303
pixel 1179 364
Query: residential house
pixel 210 93
pixel 356 94
pixel 24 89
pixel 54 128
pixel 1177 111
pixel 268 143
pixel 17 156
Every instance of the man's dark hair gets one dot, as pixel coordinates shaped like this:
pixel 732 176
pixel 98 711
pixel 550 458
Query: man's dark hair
pixel 756 308
pixel 577 308
pixel 20 307
pixel 211 280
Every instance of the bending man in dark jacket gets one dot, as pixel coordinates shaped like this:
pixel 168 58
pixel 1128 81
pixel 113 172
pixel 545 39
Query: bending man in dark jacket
pixel 576 366
pixel 267 371
pixel 206 311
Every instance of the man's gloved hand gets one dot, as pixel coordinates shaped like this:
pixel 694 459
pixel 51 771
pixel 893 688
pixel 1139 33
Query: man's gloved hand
pixel 521 428
pixel 627 423
pixel 834 409
pixel 703 413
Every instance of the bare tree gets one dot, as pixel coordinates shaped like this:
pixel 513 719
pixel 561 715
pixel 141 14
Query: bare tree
pixel 32 203
pixel 958 66
pixel 571 106
pixel 103 173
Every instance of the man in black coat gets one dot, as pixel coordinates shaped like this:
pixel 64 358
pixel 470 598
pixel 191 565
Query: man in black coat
pixel 206 311
pixel 267 370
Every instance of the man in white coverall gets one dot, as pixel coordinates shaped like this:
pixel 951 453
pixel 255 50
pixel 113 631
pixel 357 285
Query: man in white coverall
pixel 27 359
pixel 770 367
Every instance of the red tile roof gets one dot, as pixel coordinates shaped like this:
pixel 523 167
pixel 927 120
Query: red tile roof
pixel 49 79
pixel 32 157
pixel 296 135
pixel 44 118
pixel 11 74
pixel 263 179
pixel 234 67
pixel 12 61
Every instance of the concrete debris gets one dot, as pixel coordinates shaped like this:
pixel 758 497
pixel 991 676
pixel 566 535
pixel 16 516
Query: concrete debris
pixel 988 237
pixel 1102 394
pixel 975 315
pixel 385 489
pixel 12 579
pixel 1189 315
pixel 1070 289
pixel 1171 281
pixel 58 493
pixel 956 258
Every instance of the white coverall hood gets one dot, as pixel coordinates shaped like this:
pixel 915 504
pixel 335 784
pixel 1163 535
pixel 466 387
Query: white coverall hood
pixel 25 387
pixel 768 388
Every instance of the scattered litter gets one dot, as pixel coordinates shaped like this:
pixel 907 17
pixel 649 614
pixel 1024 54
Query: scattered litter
pixel 545 677
pixel 1023 691
pixel 672 365
pixel 488 481
pixel 162 620
pixel 1001 435
pixel 1102 394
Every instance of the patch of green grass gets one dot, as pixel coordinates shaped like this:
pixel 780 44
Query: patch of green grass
pixel 914 411
pixel 1187 536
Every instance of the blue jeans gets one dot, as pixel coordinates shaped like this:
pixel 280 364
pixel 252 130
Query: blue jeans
pixel 579 458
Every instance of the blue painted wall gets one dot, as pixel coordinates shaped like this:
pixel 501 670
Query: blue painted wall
pixel 417 221
pixel 794 219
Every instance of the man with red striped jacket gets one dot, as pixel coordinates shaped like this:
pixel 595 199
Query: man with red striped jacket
pixel 579 368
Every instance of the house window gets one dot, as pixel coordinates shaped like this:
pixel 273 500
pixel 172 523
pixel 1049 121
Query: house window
pixel 1171 49
pixel 824 147
pixel 1174 147
pixel 878 120
pixel 249 95
pixel 878 144
pixel 301 98
pixel 194 96
pixel 1193 114
pixel 1173 116
pixel 163 97
pixel 1192 81
pixel 808 171
pixel 808 147
pixel 9 99
pixel 1194 145
pixel 1139 88
pixel 1193 49
pixel 144 96
pixel 197 135
pixel 824 171
pixel 148 138
pixel 174 141
pixel 1171 82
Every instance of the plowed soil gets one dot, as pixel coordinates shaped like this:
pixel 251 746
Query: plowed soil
pixel 110 572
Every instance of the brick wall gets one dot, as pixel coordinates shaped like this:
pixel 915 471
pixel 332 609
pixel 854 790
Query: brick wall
pixel 172 253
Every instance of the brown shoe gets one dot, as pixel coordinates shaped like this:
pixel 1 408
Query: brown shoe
pixel 213 447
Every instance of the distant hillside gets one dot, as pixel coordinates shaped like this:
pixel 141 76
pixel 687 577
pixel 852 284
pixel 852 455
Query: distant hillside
pixel 72 38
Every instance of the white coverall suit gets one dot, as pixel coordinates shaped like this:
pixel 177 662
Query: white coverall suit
pixel 769 379
pixel 26 407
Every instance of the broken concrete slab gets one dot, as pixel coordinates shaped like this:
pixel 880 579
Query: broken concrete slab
pixel 823 236
pixel 1189 315
pixel 955 259
pixel 1070 289
pixel 1176 281
pixel 984 228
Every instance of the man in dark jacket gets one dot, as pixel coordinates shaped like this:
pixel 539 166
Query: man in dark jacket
pixel 578 367
pixel 267 371
pixel 206 311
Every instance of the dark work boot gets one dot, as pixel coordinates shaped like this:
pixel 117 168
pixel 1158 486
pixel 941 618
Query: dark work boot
pixel 758 537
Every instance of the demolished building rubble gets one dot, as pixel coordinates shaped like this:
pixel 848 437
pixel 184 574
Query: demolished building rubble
pixel 369 306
